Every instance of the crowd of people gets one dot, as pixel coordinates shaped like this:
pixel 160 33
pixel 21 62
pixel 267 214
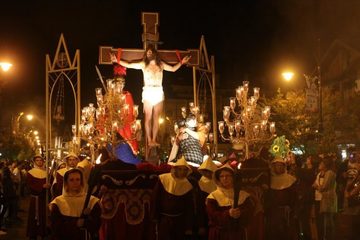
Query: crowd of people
pixel 318 198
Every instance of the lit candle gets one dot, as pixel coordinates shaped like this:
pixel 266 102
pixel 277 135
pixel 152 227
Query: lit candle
pixel 263 125
pixel 73 129
pixel 239 93
pixel 126 109
pixel 231 129
pixel 226 113
pixel 201 118
pixel 98 91
pixel 183 112
pixel 256 130
pixel 208 126
pixel 136 110
pixel 221 126
pixel 272 127
pixel 246 86
pixel 238 126
pixel 256 92
pixel 232 103
pixel 211 137
pixel 138 124
pixel 176 128
pixel 133 127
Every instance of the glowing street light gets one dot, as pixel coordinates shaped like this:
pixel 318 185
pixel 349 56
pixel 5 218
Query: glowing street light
pixel 287 75
pixel 29 117
pixel 5 66
pixel 16 128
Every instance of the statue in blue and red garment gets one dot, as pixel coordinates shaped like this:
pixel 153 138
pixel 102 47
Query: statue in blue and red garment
pixel 125 132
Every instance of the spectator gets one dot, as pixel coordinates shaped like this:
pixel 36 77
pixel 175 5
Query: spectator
pixel 328 202
pixel 9 194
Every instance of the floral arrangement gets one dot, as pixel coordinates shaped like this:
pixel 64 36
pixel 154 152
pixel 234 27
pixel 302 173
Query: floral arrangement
pixel 280 147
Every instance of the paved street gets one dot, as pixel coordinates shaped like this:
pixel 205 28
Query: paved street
pixel 17 231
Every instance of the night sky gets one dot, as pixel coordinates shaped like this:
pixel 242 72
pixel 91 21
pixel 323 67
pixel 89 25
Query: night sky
pixel 256 39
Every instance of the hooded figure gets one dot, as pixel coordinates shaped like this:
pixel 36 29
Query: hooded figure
pixel 69 219
pixel 205 186
pixel 173 202
pixel 206 182
pixel 280 202
pixel 36 182
pixel 225 221
pixel 71 160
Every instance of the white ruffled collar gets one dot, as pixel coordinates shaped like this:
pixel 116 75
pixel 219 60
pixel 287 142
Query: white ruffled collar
pixel 207 185
pixel 282 181
pixel 225 197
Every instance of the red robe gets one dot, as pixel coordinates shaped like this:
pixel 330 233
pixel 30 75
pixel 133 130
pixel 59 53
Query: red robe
pixel 64 227
pixel 224 227
pixel 36 225
pixel 173 213
pixel 125 132
pixel 279 212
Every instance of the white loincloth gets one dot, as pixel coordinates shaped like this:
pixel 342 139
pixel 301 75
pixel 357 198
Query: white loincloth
pixel 152 94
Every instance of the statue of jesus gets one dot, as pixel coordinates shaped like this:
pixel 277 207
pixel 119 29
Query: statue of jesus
pixel 152 95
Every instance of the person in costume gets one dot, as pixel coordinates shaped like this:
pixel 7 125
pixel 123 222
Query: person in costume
pixel 173 203
pixel 70 219
pixel 85 165
pixel 280 202
pixel 227 221
pixel 71 160
pixel 37 185
pixel 256 173
pixel 205 186
pixel 152 95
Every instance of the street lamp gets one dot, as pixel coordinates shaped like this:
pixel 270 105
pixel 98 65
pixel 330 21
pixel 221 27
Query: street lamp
pixel 5 66
pixel 311 90
pixel 288 75
pixel 29 117
pixel 16 128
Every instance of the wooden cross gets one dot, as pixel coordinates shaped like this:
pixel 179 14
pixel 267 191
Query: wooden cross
pixel 150 35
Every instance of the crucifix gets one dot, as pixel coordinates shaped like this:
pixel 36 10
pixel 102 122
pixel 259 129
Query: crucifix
pixel 150 36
